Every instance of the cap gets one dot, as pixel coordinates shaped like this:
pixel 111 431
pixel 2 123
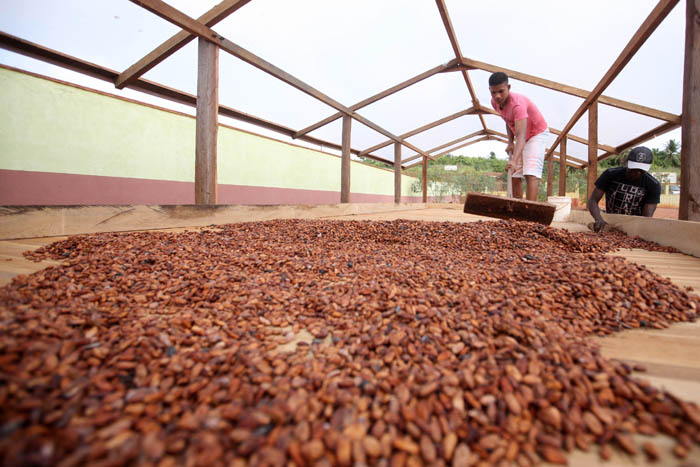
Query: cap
pixel 640 158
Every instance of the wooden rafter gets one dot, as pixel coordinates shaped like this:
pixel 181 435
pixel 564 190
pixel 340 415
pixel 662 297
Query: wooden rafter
pixel 437 156
pixel 446 145
pixel 570 161
pixel 573 91
pixel 578 139
pixel 503 138
pixel 175 43
pixel 175 16
pixel 651 134
pixel 455 141
pixel 30 49
pixel 662 9
pixel 378 96
pixel 603 147
pixel 447 22
pixel 421 129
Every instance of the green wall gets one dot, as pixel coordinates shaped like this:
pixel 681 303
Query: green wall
pixel 52 127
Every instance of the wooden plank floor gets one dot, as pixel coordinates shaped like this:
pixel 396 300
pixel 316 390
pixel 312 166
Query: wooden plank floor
pixel 670 355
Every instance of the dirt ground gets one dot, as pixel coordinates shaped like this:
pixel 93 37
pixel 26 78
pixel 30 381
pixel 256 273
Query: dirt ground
pixel 666 213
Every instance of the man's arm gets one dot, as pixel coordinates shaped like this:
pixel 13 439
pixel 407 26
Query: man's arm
pixel 593 208
pixel 511 138
pixel 520 134
pixel 648 210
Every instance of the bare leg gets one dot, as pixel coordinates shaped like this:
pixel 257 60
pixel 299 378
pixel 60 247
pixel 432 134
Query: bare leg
pixel 532 183
pixel 517 188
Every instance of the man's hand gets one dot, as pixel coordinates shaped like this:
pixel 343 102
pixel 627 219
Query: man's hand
pixel 599 225
pixel 510 148
pixel 514 164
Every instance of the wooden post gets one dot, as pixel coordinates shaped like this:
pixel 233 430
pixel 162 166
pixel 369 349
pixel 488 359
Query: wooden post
pixel 562 167
pixel 690 139
pixel 345 161
pixel 550 175
pixel 592 147
pixel 205 179
pixel 425 179
pixel 397 173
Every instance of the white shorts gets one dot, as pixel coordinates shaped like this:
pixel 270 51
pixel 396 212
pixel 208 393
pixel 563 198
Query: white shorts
pixel 533 156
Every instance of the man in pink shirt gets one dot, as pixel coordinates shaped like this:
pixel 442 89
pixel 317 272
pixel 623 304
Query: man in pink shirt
pixel 527 127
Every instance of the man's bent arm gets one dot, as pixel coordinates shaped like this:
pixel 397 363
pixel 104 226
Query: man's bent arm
pixel 648 210
pixel 592 204
pixel 520 135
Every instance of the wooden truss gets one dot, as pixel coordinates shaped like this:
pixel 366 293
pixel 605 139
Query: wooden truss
pixel 201 28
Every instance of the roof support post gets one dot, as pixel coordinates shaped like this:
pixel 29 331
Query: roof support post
pixel 562 167
pixel 592 148
pixel 345 161
pixel 425 179
pixel 397 173
pixel 690 139
pixel 550 176
pixel 205 177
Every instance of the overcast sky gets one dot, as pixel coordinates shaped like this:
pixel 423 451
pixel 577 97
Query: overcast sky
pixel 353 49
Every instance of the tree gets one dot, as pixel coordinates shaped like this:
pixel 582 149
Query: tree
pixel 674 152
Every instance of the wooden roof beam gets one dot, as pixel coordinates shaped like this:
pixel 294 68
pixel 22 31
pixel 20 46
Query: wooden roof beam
pixel 175 43
pixel 447 22
pixel 455 141
pixel 167 12
pixel 437 156
pixel 378 96
pixel 38 52
pixel 427 126
pixel 662 9
pixel 502 137
pixel 651 134
pixel 603 147
pixel 443 146
pixel 571 158
pixel 570 161
pixel 571 90
pixel 578 139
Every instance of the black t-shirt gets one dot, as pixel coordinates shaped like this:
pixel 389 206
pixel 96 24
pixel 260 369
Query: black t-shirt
pixel 625 197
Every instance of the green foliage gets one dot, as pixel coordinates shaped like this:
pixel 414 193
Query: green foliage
pixel 481 174
pixel 666 159
pixel 369 161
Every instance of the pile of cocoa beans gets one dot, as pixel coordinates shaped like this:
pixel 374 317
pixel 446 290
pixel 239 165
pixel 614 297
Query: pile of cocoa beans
pixel 430 343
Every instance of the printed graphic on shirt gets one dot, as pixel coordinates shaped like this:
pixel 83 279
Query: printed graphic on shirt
pixel 625 199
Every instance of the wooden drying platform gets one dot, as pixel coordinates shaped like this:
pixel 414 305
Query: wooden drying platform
pixel 670 355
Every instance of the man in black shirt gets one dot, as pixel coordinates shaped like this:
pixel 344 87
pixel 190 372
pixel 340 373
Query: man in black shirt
pixel 628 190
